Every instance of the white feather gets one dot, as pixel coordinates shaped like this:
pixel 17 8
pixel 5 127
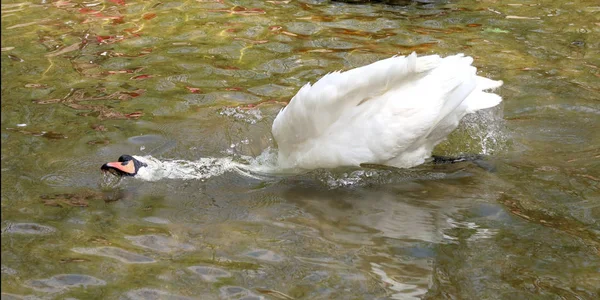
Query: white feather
pixel 392 112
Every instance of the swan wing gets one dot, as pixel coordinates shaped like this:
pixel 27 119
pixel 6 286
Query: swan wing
pixel 316 107
pixel 377 113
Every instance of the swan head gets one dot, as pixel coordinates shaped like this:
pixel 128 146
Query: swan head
pixel 126 165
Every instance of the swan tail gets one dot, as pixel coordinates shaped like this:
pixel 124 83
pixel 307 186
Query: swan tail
pixel 479 98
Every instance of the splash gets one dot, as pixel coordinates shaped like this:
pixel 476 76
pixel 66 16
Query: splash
pixel 264 167
pixel 483 132
pixel 251 116
pixel 200 169
pixel 344 177
pixel 486 127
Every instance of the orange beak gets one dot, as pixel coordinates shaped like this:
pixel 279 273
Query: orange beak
pixel 128 168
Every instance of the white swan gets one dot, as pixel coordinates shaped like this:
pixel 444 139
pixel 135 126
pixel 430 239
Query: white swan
pixel 392 112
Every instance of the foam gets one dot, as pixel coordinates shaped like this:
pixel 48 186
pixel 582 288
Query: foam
pixel 200 169
pixel 207 167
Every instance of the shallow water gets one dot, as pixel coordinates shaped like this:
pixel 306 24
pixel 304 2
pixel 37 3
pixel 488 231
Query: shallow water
pixel 86 81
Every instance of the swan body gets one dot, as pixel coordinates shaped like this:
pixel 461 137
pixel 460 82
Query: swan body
pixel 392 112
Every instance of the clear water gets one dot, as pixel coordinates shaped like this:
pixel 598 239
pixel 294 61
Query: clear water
pixel 86 81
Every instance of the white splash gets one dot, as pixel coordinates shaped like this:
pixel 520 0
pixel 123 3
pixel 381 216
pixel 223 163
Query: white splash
pixel 486 127
pixel 251 116
pixel 203 168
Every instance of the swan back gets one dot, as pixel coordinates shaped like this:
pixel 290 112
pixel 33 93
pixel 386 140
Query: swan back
pixel 391 112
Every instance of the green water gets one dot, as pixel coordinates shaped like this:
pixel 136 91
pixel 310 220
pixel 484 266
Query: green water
pixel 84 82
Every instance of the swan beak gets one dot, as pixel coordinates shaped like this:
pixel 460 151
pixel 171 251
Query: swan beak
pixel 120 168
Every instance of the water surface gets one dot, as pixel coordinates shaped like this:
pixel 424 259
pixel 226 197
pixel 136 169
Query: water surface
pixel 86 81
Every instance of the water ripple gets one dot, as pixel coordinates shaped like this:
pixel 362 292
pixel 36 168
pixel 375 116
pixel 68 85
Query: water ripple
pixel 116 253
pixel 210 274
pixel 238 293
pixel 152 294
pixel 61 282
pixel 266 255
pixel 159 243
pixel 27 228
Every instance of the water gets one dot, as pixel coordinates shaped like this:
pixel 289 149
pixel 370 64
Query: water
pixel 201 81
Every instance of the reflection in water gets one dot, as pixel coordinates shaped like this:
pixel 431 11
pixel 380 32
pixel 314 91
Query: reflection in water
pixel 399 231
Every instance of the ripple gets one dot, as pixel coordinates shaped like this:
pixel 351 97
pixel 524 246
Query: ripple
pixel 209 274
pixel 146 139
pixel 56 180
pixel 331 43
pixel 278 47
pixel 287 65
pixel 184 50
pixel 61 282
pixel 7 296
pixel 209 98
pixel 305 28
pixel 238 292
pixel 27 228
pixel 402 290
pixel 151 294
pixel 156 220
pixel 483 233
pixel 159 243
pixel 272 90
pixel 352 277
pixel 266 255
pixel 116 253
pixel 8 271
pixel 317 276
pixel 320 261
